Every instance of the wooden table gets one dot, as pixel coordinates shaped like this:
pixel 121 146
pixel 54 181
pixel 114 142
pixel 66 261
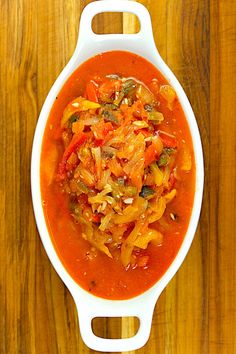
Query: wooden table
pixel 196 314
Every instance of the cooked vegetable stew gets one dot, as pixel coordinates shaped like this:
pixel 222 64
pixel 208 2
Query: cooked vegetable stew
pixel 117 175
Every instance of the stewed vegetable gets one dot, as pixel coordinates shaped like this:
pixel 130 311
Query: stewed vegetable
pixel 115 163
pixel 117 175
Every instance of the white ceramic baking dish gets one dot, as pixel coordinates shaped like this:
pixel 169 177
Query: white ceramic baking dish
pixel 88 305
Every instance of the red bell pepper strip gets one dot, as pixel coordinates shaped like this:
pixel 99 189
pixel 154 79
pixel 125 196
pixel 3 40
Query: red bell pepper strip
pixel 91 91
pixel 150 155
pixel 168 140
pixel 96 218
pixel 76 141
pixel 109 87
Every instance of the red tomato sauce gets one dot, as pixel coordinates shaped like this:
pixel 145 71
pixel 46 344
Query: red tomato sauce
pixel 97 273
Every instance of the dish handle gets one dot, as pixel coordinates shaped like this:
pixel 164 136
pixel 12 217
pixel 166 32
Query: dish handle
pixel 142 308
pixel 90 41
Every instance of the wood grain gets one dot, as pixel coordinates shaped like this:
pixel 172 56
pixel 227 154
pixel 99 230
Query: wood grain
pixel 196 313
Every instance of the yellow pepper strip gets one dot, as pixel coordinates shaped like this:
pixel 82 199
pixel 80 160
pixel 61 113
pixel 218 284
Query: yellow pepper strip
pixel 128 245
pixel 170 196
pixel 132 212
pixel 79 104
pixel 142 241
pixel 158 210
pixel 157 174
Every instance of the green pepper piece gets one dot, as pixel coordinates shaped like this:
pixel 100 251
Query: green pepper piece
pixel 163 159
pixel 128 86
pixel 146 192
pixel 109 117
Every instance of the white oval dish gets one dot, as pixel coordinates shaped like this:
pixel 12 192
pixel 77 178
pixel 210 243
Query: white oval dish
pixel 88 305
